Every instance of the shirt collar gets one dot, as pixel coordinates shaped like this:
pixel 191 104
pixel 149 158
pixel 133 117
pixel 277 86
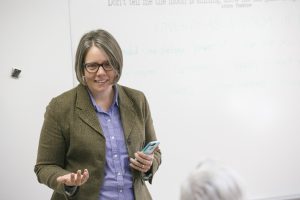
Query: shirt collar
pixel 115 100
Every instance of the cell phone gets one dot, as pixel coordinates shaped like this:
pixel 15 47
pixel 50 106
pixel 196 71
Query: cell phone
pixel 150 147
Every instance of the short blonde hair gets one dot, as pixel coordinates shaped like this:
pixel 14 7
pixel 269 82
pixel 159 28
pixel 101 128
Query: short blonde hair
pixel 104 41
pixel 212 181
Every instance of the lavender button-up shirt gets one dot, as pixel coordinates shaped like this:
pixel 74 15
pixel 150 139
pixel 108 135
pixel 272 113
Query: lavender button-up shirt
pixel 117 183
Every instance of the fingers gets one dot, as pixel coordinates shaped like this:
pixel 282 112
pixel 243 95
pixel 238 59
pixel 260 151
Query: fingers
pixel 85 176
pixel 142 162
pixel 143 158
pixel 78 178
pixel 138 166
pixel 74 179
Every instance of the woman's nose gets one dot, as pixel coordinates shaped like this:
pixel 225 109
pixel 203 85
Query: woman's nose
pixel 101 70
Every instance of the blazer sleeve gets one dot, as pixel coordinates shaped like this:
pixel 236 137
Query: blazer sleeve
pixel 51 150
pixel 150 136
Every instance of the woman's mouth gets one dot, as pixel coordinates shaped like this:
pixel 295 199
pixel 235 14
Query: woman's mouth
pixel 100 81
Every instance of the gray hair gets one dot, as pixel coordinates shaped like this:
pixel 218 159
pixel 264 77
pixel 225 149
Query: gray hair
pixel 104 41
pixel 212 181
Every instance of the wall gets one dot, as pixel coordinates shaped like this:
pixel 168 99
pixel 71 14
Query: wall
pixel 35 38
pixel 221 77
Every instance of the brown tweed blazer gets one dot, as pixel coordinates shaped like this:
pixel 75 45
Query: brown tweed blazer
pixel 71 139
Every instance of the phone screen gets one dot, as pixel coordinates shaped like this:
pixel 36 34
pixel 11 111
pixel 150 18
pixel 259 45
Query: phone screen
pixel 150 147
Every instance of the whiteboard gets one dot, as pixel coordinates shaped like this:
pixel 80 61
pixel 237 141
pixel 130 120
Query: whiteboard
pixel 223 81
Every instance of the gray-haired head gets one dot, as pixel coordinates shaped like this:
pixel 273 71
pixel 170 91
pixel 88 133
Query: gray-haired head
pixel 104 41
pixel 212 181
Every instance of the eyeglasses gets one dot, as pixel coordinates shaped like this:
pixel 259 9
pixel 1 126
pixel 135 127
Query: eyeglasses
pixel 94 67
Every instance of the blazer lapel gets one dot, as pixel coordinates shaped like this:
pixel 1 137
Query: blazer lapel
pixel 127 112
pixel 85 109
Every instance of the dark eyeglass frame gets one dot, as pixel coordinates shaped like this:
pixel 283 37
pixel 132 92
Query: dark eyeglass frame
pixel 94 67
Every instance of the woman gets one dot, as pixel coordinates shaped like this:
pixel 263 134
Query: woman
pixel 98 127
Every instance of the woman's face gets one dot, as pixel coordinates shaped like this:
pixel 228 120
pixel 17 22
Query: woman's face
pixel 101 81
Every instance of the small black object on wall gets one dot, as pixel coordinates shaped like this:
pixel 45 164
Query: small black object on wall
pixel 15 73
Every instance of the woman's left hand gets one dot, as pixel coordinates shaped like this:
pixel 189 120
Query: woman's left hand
pixel 142 162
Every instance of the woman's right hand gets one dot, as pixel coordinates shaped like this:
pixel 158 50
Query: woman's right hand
pixel 74 179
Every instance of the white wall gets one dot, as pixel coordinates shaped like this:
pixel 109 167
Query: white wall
pixel 35 38
pixel 221 82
